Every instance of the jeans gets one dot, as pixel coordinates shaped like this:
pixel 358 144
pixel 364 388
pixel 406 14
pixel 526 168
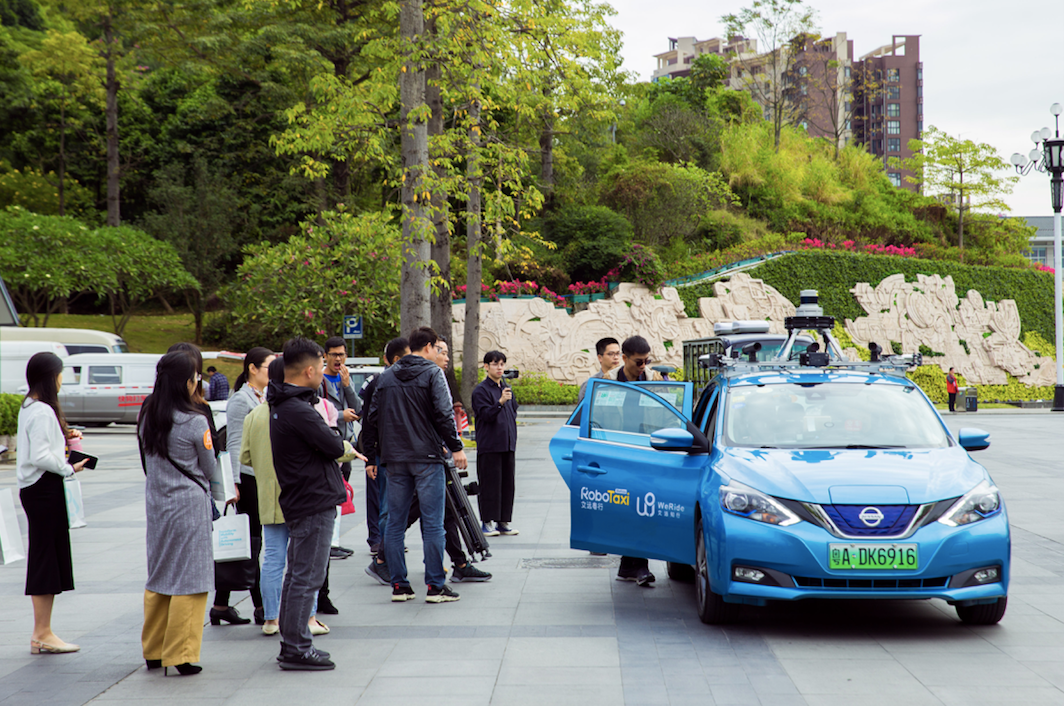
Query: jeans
pixel 382 488
pixel 274 550
pixel 308 557
pixel 427 479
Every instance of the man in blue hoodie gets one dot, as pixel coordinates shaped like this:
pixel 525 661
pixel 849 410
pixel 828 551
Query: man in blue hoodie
pixel 410 420
pixel 305 450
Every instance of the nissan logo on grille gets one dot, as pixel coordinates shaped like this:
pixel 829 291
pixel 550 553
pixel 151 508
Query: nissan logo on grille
pixel 871 516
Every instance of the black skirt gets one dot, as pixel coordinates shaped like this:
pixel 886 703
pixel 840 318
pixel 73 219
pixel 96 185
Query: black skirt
pixel 49 569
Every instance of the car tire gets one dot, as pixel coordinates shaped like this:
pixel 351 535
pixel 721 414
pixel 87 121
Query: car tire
pixel 685 573
pixel 712 610
pixel 984 613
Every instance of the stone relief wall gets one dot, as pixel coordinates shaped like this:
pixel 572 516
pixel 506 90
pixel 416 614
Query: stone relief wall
pixel 537 337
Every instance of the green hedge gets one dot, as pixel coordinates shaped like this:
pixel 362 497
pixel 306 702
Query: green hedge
pixel 535 388
pixel 834 273
pixel 9 406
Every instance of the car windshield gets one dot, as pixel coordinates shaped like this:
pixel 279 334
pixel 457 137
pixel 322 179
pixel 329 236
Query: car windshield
pixel 770 349
pixel 831 415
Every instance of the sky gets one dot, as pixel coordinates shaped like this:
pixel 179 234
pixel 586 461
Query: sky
pixel 992 69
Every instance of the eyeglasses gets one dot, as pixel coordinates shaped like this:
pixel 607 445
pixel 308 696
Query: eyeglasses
pixel 336 355
pixel 640 362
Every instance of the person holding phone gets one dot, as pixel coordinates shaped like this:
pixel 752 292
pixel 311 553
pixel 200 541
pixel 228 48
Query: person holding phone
pixel 495 414
pixel 41 468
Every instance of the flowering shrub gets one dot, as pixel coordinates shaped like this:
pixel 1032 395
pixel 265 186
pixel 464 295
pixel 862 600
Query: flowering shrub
pixel 871 248
pixel 512 288
pixel 1043 268
pixel 486 292
pixel 589 287
pixel 517 288
pixel 641 265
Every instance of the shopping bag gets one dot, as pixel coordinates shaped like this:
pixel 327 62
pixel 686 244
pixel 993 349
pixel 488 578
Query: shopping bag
pixel 238 575
pixel 231 538
pixel 11 547
pixel 223 489
pixel 75 507
pixel 348 507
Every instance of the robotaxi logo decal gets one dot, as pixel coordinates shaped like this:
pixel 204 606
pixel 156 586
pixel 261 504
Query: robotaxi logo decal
pixel 871 516
pixel 598 499
pixel 646 507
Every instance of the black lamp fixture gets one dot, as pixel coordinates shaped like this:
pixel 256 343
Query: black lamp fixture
pixel 1050 158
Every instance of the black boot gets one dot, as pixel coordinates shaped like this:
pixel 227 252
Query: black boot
pixel 229 615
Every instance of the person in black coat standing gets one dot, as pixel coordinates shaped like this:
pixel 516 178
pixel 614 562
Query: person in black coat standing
pixel 410 421
pixel 305 450
pixel 495 413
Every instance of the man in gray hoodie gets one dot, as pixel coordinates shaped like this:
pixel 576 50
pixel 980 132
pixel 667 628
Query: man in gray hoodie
pixel 409 422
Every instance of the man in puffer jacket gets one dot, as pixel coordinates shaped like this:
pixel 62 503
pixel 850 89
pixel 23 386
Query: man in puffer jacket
pixel 410 420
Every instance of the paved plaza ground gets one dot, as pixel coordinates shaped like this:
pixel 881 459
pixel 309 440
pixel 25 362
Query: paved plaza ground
pixel 541 635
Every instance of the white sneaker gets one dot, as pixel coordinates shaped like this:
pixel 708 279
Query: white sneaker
pixel 506 530
pixel 488 528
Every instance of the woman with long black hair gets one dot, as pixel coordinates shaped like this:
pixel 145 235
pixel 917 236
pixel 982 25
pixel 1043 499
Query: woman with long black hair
pixel 178 454
pixel 41 468
pixel 249 391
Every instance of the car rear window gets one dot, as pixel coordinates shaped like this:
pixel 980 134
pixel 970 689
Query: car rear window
pixel 831 415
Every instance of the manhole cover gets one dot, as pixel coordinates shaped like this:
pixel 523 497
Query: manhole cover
pixel 572 562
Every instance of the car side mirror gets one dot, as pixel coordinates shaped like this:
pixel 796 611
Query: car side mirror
pixel 672 440
pixel 973 439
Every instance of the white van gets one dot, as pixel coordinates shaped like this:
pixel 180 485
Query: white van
pixel 76 340
pixel 99 388
pixel 13 358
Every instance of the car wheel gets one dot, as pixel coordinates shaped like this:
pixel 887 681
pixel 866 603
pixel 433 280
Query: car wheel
pixel 984 613
pixel 712 610
pixel 681 572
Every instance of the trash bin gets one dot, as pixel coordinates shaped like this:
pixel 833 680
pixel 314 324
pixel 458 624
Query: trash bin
pixel 971 400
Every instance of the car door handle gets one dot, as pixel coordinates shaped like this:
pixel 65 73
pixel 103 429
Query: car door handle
pixel 567 458
pixel 592 470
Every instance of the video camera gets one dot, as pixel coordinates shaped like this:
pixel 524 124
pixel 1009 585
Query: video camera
pixel 511 374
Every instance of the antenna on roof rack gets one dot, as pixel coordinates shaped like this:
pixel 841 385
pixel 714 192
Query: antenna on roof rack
pixel 810 316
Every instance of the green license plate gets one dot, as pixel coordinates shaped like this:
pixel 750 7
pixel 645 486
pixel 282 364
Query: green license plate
pixel 904 557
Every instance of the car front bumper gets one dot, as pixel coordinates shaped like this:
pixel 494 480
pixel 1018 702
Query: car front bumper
pixel 795 561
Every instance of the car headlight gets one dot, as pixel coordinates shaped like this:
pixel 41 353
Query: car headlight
pixel 744 501
pixel 979 503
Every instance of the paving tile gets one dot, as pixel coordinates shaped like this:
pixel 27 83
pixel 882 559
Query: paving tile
pixel 558 695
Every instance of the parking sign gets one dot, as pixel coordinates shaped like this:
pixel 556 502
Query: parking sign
pixel 352 326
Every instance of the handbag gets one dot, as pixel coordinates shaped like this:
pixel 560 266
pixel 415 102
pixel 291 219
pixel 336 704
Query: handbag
pixel 348 507
pixel 236 553
pixel 74 505
pixel 223 488
pixel 11 547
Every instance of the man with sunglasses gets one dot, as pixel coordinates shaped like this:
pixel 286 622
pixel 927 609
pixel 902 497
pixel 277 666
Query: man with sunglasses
pixel 635 365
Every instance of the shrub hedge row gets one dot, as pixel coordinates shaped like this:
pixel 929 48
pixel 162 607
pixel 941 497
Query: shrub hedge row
pixel 9 406
pixel 834 273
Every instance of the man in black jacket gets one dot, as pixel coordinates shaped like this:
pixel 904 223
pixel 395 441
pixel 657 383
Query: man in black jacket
pixel 305 450
pixel 410 421
pixel 495 413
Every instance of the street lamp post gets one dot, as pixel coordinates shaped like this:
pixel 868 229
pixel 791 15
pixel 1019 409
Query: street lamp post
pixel 1050 158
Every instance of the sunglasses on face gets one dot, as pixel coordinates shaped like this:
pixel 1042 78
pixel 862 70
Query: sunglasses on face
pixel 640 362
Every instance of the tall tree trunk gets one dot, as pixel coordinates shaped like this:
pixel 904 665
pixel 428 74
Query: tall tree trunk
pixel 114 216
pixel 62 159
pixel 414 278
pixel 440 315
pixel 546 155
pixel 471 338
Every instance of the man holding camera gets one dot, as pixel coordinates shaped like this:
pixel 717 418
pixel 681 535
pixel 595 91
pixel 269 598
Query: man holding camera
pixel 495 413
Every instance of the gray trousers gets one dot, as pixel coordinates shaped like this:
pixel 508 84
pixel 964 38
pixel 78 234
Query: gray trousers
pixel 309 539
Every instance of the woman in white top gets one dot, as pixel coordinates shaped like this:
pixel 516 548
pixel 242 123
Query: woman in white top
pixel 41 467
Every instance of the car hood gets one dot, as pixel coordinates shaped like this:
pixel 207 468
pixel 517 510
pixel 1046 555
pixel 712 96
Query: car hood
pixel 827 476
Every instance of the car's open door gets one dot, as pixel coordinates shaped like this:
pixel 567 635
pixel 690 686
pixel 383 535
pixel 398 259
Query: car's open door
pixel 627 497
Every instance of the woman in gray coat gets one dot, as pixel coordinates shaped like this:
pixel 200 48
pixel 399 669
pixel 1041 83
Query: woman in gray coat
pixel 177 452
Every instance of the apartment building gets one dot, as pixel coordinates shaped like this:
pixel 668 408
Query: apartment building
pixel 875 101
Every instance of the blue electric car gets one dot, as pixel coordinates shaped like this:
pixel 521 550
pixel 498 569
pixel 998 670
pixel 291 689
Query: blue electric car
pixel 814 478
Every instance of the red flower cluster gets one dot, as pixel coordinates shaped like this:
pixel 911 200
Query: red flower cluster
pixel 851 246
pixel 511 289
pixel 589 287
pixel 1044 268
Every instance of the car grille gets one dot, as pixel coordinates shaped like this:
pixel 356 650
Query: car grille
pixel 896 519
pixel 871 584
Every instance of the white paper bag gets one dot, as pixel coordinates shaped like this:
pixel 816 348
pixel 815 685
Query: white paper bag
pixel 223 489
pixel 75 507
pixel 11 547
pixel 231 538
